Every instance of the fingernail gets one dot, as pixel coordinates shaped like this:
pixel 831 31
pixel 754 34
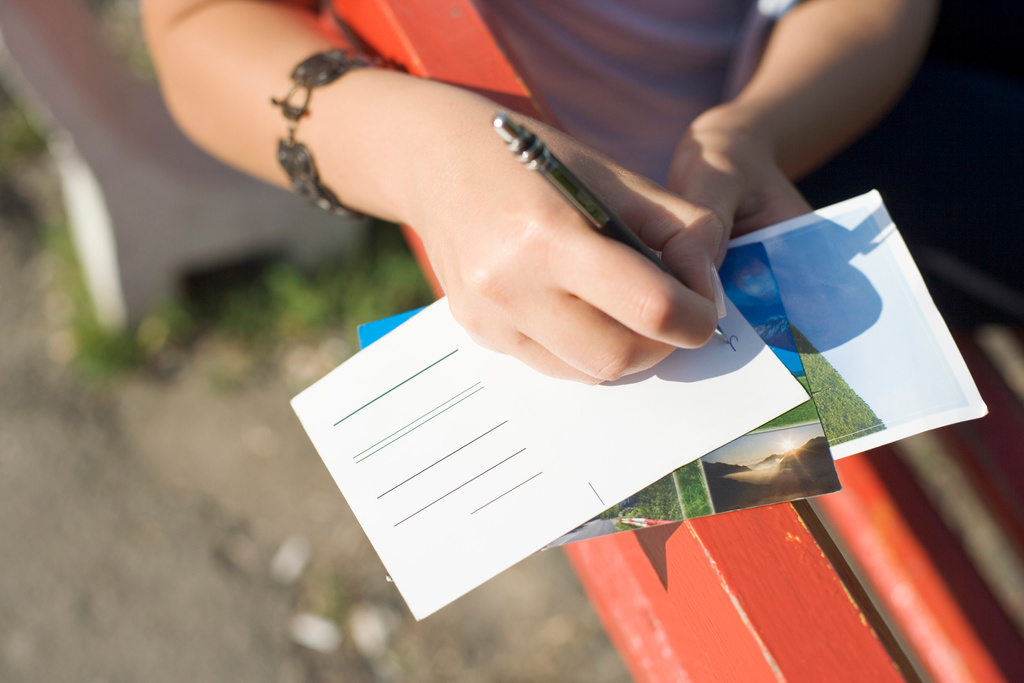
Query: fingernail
pixel 718 291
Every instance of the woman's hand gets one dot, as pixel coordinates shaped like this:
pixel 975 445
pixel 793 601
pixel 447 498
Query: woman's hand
pixel 725 165
pixel 528 276
pixel 830 69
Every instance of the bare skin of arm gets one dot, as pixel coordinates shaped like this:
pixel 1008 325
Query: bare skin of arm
pixel 831 69
pixel 524 274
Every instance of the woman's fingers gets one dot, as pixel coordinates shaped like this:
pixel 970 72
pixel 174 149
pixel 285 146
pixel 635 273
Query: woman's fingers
pixel 600 311
pixel 534 355
pixel 624 285
pixel 529 276
pixel 589 340
pixel 573 340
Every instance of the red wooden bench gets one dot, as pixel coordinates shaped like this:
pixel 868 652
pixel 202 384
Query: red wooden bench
pixel 768 594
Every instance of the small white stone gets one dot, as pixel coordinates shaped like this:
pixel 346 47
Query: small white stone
pixel 315 632
pixel 291 560
pixel 372 628
pixel 260 441
pixel 335 350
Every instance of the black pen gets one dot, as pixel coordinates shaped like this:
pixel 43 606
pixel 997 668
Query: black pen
pixel 532 151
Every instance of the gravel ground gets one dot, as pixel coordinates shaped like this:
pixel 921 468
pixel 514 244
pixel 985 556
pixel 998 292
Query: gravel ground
pixel 140 520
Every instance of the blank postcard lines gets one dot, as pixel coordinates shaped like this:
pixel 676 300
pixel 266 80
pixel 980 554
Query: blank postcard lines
pixel 460 486
pixel 595 492
pixel 440 461
pixel 412 426
pixel 506 493
pixel 393 388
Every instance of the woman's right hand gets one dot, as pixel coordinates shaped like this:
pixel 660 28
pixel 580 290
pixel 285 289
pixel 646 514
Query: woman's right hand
pixel 525 274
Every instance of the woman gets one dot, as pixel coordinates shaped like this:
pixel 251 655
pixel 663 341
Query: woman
pixel 523 273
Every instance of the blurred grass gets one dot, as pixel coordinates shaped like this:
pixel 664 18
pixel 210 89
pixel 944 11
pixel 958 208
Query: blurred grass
pixel 275 305
pixel 20 141
pixel 284 303
pixel 119 21
pixel 272 304
pixel 97 352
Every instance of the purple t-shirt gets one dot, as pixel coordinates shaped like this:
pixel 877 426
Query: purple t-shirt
pixel 625 77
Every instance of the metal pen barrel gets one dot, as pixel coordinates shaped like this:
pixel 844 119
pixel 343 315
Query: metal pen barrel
pixel 532 151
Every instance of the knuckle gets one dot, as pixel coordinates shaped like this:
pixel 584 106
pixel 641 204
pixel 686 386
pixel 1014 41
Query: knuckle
pixel 690 322
pixel 536 236
pixel 489 332
pixel 634 354
pixel 525 243
pixel 655 312
pixel 702 324
pixel 711 223
pixel 705 233
pixel 485 280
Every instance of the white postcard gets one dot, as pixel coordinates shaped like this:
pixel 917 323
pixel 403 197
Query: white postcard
pixel 459 462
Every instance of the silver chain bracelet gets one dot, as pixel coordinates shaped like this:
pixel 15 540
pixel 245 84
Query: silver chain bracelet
pixel 294 157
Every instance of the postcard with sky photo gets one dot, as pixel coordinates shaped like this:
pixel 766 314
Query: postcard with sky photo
pixel 879 360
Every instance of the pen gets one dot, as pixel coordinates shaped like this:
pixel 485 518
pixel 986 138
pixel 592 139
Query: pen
pixel 532 151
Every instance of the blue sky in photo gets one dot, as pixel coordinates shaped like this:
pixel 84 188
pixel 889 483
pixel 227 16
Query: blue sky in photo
pixel 749 282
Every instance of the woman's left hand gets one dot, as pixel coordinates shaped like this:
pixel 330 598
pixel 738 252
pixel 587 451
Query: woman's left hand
pixel 725 166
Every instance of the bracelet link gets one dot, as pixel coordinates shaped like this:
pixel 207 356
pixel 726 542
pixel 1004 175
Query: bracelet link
pixel 297 161
pixel 293 156
pixel 290 111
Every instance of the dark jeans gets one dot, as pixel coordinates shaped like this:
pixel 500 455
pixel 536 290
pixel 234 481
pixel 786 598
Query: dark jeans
pixel 949 161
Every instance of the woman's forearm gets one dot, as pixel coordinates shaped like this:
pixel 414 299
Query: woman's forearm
pixel 831 69
pixel 220 61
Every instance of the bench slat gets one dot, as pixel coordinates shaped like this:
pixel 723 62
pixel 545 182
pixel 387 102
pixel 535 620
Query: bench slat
pixel 745 596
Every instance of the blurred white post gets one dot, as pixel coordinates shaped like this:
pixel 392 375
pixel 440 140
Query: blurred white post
pixel 144 204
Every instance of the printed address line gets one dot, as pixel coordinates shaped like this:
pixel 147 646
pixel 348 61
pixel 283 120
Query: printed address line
pixel 441 460
pixel 449 355
pixel 460 486
pixel 506 493
pixel 359 457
